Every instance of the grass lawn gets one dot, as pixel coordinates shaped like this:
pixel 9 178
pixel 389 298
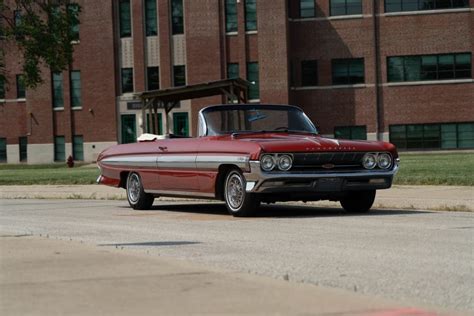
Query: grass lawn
pixel 438 168
pixel 418 168
pixel 47 174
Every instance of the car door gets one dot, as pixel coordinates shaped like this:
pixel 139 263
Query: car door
pixel 176 162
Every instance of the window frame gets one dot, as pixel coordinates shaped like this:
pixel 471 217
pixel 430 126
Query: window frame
pixel 126 87
pixel 177 20
pixel 125 32
pixel 251 23
pixel 176 77
pixel 403 143
pixel 152 85
pixel 312 8
pixel 254 89
pixel 346 10
pixel 231 26
pixel 58 100
pixel 75 89
pixel 314 81
pixel 400 4
pixel 348 63
pixel 176 116
pixel 57 152
pixel 20 86
pixel 422 74
pixel 352 131
pixel 78 147
pixel 23 148
pixel 151 18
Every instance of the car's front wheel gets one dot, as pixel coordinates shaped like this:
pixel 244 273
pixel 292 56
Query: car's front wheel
pixel 136 196
pixel 238 201
pixel 358 201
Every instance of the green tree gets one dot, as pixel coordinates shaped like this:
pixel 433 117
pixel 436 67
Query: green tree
pixel 44 32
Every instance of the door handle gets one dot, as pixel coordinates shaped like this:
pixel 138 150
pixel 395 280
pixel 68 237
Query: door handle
pixel 163 148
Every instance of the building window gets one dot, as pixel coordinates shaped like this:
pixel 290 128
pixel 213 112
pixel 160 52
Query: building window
pixel 416 5
pixel 74 15
pixel 350 132
pixel 152 128
pixel 20 87
pixel 151 22
pixel 433 136
pixel 307 9
pixel 348 71
pixel 309 73
pixel 179 73
pixel 153 78
pixel 125 18
pixel 3 149
pixel 78 147
pixel 127 80
pixel 59 148
pixel 76 101
pixel 233 71
pixel 429 67
pixel 346 7
pixel 250 15
pixel 58 99
pixel 231 15
pixel 180 124
pixel 23 141
pixel 177 24
pixel 2 88
pixel 252 76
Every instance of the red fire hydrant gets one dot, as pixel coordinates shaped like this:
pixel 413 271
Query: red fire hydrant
pixel 70 161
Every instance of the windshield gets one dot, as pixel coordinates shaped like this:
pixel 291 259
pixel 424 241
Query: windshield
pixel 230 119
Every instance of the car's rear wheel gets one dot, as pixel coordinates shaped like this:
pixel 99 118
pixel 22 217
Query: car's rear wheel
pixel 136 196
pixel 238 201
pixel 358 201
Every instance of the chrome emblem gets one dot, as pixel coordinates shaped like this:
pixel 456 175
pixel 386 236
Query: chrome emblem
pixel 328 166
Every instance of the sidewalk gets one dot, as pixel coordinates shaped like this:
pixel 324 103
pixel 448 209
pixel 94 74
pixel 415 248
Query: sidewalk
pixel 440 198
pixel 53 277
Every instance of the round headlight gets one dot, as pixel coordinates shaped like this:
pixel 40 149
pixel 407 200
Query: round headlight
pixel 384 161
pixel 285 162
pixel 267 162
pixel 369 161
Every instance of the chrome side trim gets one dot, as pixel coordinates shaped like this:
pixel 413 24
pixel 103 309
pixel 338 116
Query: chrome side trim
pixel 211 162
pixel 183 194
pixel 134 161
pixel 258 175
pixel 176 161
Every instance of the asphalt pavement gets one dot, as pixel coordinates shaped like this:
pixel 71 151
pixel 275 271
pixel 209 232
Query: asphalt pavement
pixel 416 258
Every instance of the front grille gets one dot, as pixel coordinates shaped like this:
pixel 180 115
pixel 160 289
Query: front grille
pixel 342 161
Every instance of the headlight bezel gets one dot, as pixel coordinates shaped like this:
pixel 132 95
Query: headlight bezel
pixel 390 160
pixel 277 161
pixel 280 157
pixel 274 162
pixel 367 155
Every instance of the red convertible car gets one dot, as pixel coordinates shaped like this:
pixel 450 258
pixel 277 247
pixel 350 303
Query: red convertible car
pixel 247 154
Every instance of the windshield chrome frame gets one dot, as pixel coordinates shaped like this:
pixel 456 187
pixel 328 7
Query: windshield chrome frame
pixel 203 126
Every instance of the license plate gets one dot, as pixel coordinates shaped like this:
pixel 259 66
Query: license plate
pixel 329 184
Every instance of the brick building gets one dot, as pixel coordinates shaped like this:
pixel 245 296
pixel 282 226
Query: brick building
pixel 398 70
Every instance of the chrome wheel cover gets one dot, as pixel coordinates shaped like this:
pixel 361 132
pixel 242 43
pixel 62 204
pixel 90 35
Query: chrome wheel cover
pixel 235 191
pixel 133 188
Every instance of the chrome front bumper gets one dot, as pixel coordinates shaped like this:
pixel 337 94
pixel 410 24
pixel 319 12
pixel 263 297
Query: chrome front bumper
pixel 259 181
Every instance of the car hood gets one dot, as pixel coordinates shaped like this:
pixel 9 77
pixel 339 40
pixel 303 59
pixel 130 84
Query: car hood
pixel 311 143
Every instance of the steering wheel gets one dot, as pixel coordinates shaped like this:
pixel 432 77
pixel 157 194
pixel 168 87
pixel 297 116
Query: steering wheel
pixel 281 127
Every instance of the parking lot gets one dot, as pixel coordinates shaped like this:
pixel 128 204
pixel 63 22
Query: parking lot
pixel 416 258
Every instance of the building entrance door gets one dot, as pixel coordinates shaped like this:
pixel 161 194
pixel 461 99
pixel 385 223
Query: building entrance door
pixel 129 128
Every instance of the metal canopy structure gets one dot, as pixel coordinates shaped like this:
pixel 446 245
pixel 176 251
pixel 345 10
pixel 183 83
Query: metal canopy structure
pixel 235 90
